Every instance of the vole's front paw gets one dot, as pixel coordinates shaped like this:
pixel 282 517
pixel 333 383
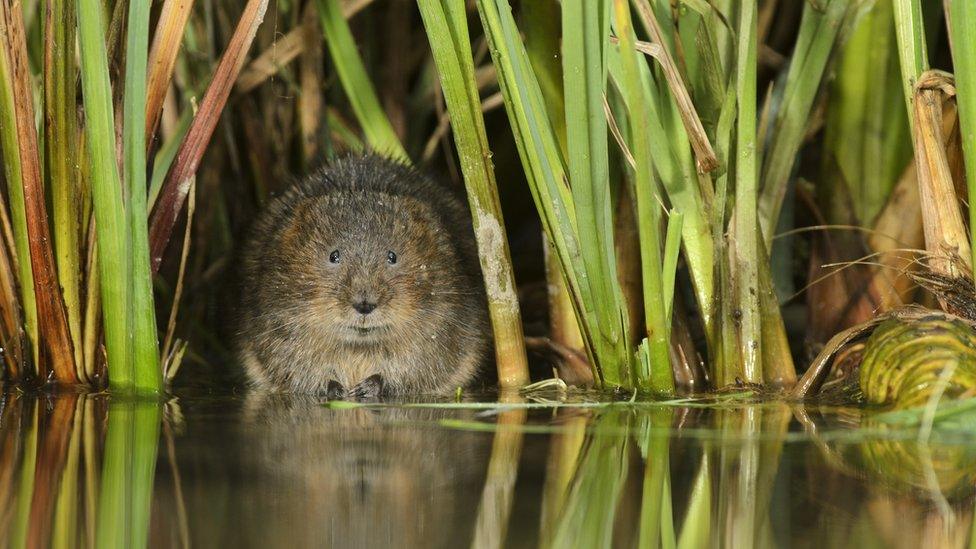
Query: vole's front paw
pixel 334 390
pixel 371 387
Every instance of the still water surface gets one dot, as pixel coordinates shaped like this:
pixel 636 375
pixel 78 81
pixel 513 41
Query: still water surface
pixel 250 470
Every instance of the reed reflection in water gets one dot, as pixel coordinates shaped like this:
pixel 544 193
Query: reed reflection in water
pixel 259 471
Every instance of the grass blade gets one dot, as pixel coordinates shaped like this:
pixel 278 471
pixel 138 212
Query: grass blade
pixel 142 323
pixel 448 34
pixel 545 54
pixel 540 154
pixel 676 173
pixel 660 378
pixel 585 72
pixel 379 132
pixel 103 172
pixel 672 247
pixel 745 241
pixel 819 30
pixel 912 50
pixel 867 141
pixel 54 335
pixel 705 156
pixel 177 184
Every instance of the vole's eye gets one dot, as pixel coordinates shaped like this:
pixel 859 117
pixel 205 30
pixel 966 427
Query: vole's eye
pixel 334 256
pixel 391 258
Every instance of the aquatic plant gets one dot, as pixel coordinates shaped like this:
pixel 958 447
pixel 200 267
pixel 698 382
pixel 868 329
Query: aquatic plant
pixel 691 165
pixel 101 242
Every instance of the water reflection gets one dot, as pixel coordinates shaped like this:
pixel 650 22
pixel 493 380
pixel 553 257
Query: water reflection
pixel 259 470
pixel 76 470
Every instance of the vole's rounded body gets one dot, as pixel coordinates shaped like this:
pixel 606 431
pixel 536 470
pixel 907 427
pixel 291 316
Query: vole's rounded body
pixel 363 275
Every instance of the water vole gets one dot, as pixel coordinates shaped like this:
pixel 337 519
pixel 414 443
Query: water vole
pixel 362 278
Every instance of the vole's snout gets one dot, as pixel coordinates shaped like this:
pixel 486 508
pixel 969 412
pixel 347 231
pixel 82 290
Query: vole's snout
pixel 364 306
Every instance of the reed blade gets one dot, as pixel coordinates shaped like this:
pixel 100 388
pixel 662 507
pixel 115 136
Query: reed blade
pixel 147 376
pixel 541 158
pixel 674 165
pixel 172 196
pixel 9 145
pixel 745 231
pixel 53 332
pixel 109 205
pixel 61 157
pixel 585 72
pixel 819 30
pixel 355 81
pixel 167 39
pixel 659 379
pixel 913 53
pixel 448 34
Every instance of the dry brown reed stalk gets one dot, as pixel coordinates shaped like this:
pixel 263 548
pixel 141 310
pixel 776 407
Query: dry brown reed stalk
pixel 281 53
pixel 311 119
pixel 945 232
pixel 177 183
pixel 563 326
pixel 291 46
pixel 53 330
pixel 11 333
pixel 162 59
pixel 705 159
pixel 168 366
pixel 839 298
pixel 899 225
pixel 957 295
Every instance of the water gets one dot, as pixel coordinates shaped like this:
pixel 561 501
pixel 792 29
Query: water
pixel 246 470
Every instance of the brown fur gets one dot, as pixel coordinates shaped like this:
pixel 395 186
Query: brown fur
pixel 296 327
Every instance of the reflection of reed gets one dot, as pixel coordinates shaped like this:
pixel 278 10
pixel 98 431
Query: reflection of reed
pixel 624 486
pixel 590 513
pixel 55 488
pixel 748 470
pixel 496 498
pixel 564 451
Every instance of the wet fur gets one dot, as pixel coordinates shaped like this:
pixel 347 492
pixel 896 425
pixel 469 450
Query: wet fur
pixel 294 327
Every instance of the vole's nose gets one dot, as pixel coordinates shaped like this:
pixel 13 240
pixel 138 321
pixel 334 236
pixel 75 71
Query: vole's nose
pixel 364 307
